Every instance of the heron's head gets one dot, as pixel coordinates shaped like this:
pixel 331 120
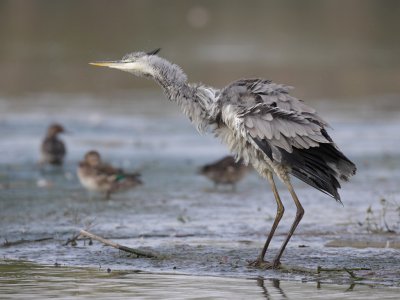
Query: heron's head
pixel 137 63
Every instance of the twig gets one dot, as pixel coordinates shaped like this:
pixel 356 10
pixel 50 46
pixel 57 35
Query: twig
pixel 117 246
pixel 352 275
pixel 287 268
pixel 75 237
pixel 72 240
pixel 320 269
pixel 22 241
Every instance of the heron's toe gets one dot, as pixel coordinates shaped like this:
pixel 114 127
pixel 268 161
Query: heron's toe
pixel 264 265
pixel 261 264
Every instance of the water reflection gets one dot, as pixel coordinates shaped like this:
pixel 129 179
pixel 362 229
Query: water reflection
pixel 26 280
pixel 272 289
pixel 275 284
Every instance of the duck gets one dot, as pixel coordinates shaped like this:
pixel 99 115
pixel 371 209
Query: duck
pixel 53 149
pixel 225 171
pixel 101 177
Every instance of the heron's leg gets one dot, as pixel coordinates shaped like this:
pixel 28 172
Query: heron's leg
pixel 299 216
pixel 279 213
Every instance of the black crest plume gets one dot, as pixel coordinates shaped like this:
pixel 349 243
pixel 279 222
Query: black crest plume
pixel 154 52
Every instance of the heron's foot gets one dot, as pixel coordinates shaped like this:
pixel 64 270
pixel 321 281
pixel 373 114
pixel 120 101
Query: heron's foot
pixel 265 265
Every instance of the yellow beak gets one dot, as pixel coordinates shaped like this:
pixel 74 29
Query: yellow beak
pixel 120 65
pixel 109 64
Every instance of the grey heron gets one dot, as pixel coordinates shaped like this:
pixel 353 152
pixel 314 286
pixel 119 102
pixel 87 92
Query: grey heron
pixel 97 176
pixel 262 124
pixel 52 148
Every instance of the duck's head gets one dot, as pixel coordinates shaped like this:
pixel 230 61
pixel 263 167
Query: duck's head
pixel 93 158
pixel 55 129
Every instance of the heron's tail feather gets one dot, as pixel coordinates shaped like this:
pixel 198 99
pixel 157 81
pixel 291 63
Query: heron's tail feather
pixel 321 167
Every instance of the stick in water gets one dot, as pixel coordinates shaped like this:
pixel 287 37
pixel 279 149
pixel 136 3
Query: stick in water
pixel 117 246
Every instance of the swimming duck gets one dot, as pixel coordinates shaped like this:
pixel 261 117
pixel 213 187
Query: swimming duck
pixel 97 176
pixel 53 149
pixel 225 171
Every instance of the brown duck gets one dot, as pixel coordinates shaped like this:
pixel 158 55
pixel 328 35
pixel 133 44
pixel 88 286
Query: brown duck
pixel 225 171
pixel 97 176
pixel 53 149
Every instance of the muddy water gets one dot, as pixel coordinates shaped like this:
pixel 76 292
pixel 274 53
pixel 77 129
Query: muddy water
pixel 26 280
pixel 203 237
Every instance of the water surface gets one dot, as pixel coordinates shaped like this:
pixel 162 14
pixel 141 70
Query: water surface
pixel 204 238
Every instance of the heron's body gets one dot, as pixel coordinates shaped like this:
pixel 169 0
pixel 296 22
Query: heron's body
pixel 97 176
pixel 261 124
pixel 52 148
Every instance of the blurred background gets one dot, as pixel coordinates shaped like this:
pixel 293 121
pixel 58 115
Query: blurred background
pixel 327 49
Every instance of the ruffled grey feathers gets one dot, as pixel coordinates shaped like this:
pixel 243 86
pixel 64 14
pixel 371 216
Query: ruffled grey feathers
pixel 259 121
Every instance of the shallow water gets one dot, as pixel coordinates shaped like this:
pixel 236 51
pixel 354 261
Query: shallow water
pixel 83 283
pixel 203 237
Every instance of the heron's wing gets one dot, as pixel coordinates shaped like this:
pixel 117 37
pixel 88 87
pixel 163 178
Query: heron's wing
pixel 265 112
pixel 249 92
pixel 286 130
pixel 280 128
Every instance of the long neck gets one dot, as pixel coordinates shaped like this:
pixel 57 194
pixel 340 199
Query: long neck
pixel 196 101
pixel 170 76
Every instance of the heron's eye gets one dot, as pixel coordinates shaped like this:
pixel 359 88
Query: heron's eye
pixel 129 57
